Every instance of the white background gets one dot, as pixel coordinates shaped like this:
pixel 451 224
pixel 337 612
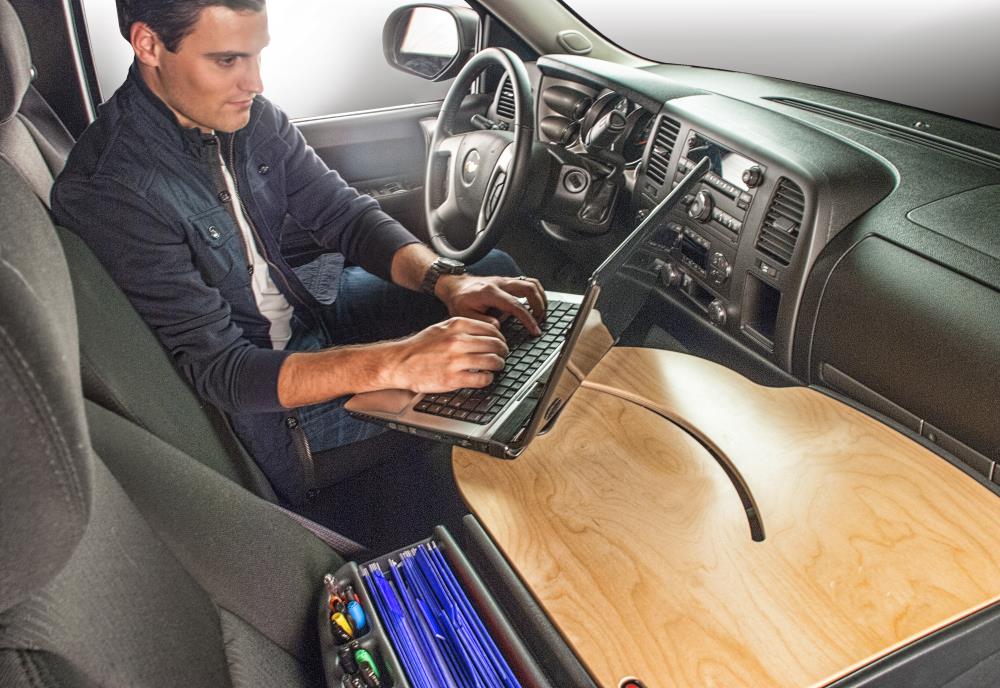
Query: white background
pixel 940 55
pixel 325 56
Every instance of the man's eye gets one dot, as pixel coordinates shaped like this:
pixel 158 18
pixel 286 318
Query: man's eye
pixel 226 61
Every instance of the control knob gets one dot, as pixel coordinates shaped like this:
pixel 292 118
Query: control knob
pixel 671 275
pixel 719 268
pixel 717 312
pixel 753 176
pixel 701 207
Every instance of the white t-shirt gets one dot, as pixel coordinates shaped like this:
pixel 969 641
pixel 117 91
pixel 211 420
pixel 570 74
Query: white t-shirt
pixel 271 303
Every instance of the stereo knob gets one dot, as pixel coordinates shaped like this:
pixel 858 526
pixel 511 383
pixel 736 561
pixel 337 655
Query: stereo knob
pixel 671 276
pixel 717 312
pixel 701 207
pixel 719 268
pixel 753 176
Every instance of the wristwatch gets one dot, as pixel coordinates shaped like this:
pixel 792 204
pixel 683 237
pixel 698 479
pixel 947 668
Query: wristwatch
pixel 441 266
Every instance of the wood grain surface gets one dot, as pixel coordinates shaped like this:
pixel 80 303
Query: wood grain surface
pixel 634 540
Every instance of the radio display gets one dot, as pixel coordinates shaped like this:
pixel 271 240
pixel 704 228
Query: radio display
pixel 695 252
pixel 725 163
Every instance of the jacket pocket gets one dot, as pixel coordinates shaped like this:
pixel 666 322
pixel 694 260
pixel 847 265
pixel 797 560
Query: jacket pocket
pixel 266 165
pixel 219 250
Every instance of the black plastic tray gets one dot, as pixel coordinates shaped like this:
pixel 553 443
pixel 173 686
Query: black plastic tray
pixel 376 640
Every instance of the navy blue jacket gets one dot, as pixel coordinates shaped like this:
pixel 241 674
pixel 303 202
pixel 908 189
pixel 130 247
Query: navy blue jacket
pixel 149 199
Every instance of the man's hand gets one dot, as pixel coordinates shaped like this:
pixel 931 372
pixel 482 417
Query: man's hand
pixel 479 298
pixel 458 352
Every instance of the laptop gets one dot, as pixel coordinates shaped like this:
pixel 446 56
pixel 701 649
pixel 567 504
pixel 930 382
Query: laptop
pixel 540 374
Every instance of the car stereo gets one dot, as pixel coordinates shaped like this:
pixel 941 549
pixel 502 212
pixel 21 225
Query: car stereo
pixel 701 239
pixel 726 191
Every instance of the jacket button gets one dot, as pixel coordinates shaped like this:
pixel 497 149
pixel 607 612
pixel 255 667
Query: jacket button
pixel 213 232
pixel 224 196
pixel 263 169
pixel 291 422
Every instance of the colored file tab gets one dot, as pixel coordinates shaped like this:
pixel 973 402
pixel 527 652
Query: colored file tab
pixel 435 630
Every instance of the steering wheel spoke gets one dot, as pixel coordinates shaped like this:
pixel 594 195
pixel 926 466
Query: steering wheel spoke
pixel 496 190
pixel 475 180
pixel 441 200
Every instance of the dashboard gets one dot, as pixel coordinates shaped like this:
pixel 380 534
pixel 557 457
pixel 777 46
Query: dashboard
pixel 830 239
pixel 736 249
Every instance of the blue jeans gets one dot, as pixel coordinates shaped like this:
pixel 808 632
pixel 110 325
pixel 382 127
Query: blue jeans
pixel 369 309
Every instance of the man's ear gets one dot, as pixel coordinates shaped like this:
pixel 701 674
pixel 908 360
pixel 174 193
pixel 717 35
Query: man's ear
pixel 147 45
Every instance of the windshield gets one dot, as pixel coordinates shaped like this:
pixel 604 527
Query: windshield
pixel 943 57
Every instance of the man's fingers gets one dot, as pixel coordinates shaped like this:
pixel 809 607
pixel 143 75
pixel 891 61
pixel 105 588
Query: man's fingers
pixel 512 306
pixel 473 345
pixel 473 378
pixel 479 324
pixel 481 362
pixel 530 289
pixel 505 302
pixel 504 294
pixel 486 318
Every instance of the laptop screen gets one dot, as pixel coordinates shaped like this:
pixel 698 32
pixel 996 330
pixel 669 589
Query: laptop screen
pixel 615 294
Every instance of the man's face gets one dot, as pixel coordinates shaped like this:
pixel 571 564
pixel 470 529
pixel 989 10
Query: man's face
pixel 211 80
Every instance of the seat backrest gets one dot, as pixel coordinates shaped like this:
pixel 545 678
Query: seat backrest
pixel 126 371
pixel 123 561
pixel 32 138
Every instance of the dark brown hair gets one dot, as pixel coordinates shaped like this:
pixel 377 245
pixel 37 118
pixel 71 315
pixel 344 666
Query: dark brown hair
pixel 172 20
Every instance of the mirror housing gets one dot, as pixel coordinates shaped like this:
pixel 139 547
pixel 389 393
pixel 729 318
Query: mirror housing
pixel 430 41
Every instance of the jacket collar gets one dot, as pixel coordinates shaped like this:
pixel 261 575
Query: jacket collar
pixel 157 113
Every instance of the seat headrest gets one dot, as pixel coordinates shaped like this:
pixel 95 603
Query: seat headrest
pixel 45 455
pixel 15 62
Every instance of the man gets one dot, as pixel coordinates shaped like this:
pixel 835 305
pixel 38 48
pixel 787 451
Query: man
pixel 181 188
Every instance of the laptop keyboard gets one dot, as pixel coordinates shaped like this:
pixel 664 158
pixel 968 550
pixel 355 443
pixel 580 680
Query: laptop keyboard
pixel 526 355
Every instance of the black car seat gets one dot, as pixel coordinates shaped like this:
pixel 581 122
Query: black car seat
pixel 122 560
pixel 32 138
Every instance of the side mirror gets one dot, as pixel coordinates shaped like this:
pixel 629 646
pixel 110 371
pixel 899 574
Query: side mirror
pixel 430 41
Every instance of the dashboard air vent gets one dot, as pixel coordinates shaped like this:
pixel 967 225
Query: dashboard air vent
pixel 663 146
pixel 505 103
pixel 782 222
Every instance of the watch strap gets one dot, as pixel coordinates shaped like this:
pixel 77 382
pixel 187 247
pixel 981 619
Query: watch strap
pixel 434 272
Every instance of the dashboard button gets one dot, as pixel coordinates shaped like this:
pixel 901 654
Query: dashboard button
pixel 767 269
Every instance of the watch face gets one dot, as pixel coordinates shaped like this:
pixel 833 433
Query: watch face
pixel 450 265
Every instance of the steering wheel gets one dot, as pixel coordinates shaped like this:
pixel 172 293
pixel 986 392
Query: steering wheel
pixel 477 178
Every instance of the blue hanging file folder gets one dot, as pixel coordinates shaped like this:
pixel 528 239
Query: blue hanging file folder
pixel 438 636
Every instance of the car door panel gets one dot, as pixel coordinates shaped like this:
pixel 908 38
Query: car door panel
pixel 383 153
pixel 380 153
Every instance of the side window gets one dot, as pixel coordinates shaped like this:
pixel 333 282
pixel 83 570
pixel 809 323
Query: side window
pixel 325 57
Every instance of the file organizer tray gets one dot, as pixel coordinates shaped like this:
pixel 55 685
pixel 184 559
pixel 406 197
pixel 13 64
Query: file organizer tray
pixel 375 639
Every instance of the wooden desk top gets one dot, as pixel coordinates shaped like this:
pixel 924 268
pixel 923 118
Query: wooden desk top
pixel 634 539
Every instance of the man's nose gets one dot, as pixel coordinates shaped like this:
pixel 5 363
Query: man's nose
pixel 252 81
